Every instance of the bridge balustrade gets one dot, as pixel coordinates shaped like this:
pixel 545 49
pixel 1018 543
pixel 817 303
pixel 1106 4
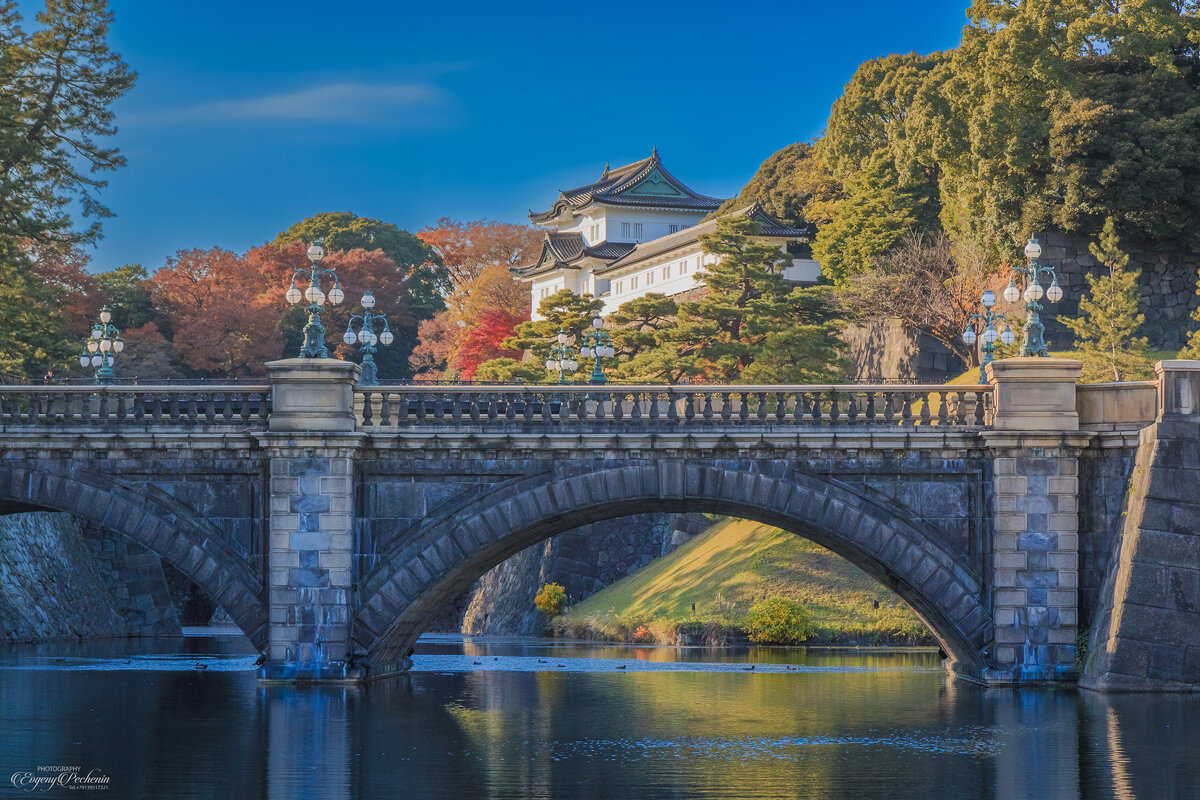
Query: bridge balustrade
pixel 146 406
pixel 818 406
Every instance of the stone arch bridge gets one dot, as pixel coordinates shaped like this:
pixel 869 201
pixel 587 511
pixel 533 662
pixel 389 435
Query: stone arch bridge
pixel 333 522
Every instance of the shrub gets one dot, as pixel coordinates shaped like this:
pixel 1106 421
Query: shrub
pixel 551 600
pixel 778 620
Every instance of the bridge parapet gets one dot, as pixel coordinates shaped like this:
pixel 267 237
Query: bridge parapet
pixel 217 406
pixel 892 406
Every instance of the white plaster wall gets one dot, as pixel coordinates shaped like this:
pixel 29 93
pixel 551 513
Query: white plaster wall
pixel 655 224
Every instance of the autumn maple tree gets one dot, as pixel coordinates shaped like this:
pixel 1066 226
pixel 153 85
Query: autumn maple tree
pixel 485 341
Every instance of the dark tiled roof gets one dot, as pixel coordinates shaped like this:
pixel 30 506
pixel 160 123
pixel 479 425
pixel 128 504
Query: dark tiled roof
pixel 565 246
pixel 610 250
pixel 665 244
pixel 613 186
pixel 564 250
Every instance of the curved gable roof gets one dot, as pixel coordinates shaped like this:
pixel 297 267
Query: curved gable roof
pixel 645 183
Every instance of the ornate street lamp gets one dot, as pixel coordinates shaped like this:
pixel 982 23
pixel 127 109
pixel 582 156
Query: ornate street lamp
pixel 314 331
pixel 562 357
pixel 102 348
pixel 598 345
pixel 989 334
pixel 366 338
pixel 1032 341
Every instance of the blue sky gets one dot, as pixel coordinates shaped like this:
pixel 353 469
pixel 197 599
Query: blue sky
pixel 249 116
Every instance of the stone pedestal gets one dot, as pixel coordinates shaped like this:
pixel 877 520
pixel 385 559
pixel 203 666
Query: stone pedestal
pixel 1034 561
pixel 311 444
pixel 1178 390
pixel 1035 394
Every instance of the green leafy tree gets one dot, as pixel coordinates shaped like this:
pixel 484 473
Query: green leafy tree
pixel 551 600
pixel 426 279
pixel 509 370
pixel 56 88
pixel 879 154
pixel 1061 115
pixel 1108 320
pixel 778 620
pixel 637 331
pixel 33 338
pixel 127 292
pixel 562 311
pixel 793 185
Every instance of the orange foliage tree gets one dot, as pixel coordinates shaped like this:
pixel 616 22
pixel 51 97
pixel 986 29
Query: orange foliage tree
pixel 219 311
pixel 477 256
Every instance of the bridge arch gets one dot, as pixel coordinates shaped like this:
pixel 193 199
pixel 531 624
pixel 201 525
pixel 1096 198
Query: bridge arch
pixel 167 530
pixel 446 554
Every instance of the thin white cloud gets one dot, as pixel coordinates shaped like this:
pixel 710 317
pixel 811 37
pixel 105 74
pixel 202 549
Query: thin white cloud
pixel 406 105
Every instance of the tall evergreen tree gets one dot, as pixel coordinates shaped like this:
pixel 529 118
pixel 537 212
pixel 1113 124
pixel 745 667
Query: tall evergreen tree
pixel 56 87
pixel 1108 320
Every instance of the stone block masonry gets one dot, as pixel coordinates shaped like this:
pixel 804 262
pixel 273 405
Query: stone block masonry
pixel 309 580
pixel 1035 556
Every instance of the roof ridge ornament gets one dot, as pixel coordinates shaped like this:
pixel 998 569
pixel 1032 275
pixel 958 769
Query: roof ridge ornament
pixel 605 173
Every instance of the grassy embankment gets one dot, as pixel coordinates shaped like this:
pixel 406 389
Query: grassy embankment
pixel 724 571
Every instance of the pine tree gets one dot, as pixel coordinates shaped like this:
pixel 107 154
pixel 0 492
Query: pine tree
pixel 56 87
pixel 1108 320
pixel 752 326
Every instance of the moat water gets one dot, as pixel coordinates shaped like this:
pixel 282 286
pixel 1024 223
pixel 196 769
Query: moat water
pixel 523 718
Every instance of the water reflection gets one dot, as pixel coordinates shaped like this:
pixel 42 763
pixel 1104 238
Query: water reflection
pixel 850 725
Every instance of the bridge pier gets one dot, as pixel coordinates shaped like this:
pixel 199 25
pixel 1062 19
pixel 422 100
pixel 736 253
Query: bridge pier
pixel 311 445
pixel 1035 445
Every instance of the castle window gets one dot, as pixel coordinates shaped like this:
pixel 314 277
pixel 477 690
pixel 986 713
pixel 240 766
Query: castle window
pixel 666 272
pixel 625 226
pixel 637 231
pixel 672 229
pixel 650 278
pixel 633 284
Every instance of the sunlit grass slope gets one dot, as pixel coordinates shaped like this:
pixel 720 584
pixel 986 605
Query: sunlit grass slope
pixel 736 562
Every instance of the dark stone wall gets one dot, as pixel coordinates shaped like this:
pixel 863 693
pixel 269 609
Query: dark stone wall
pixel 1145 632
pixel 135 580
pixel 1167 286
pixel 884 350
pixel 1103 483
pixel 58 579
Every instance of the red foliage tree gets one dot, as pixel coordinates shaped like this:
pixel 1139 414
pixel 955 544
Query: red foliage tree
pixel 485 340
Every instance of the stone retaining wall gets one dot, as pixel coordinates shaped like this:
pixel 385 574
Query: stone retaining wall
pixel 59 580
pixel 1167 286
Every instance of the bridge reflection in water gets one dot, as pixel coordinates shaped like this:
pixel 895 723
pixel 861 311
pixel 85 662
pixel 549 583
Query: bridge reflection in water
pixel 870 728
